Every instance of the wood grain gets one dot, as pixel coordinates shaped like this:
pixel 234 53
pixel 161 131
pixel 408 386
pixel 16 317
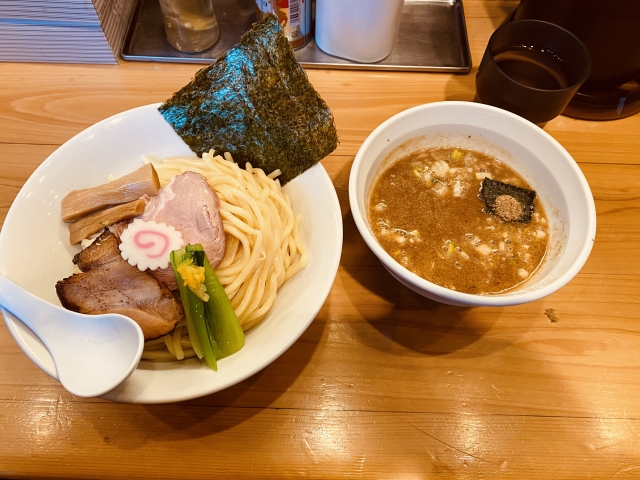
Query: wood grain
pixel 318 444
pixel 384 383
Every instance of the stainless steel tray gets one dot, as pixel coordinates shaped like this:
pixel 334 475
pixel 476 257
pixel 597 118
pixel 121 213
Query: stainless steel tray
pixel 432 38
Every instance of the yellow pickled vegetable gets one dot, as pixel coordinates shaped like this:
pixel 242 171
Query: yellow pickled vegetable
pixel 193 277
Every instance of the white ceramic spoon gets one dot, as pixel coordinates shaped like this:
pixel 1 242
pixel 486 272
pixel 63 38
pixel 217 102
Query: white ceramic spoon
pixel 93 354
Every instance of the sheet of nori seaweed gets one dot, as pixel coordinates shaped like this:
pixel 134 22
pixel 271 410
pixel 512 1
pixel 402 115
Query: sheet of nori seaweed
pixel 256 102
pixel 492 189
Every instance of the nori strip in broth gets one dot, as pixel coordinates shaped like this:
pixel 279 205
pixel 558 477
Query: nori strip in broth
pixel 492 189
pixel 256 102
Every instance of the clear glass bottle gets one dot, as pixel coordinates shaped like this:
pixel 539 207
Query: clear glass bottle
pixel 190 25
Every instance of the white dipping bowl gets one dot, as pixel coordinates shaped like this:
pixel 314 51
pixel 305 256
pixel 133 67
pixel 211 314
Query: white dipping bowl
pixel 529 150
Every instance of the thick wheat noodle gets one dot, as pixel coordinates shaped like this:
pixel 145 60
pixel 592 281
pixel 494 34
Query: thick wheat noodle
pixel 245 294
pixel 229 274
pixel 249 265
pixel 230 252
pixel 237 223
pixel 285 206
pixel 263 245
pixel 165 348
pixel 232 270
pixel 168 341
pixel 177 347
pixel 231 212
pixel 259 313
pixel 303 259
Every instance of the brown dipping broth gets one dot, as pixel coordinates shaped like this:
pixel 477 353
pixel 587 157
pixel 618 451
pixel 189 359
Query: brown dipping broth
pixel 425 211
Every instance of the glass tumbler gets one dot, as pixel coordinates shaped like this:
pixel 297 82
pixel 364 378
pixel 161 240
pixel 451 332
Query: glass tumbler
pixel 190 25
pixel 532 68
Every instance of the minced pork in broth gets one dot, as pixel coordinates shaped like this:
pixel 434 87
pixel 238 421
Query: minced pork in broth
pixel 426 212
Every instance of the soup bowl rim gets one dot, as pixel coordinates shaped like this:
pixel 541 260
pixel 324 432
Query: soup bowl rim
pixel 580 249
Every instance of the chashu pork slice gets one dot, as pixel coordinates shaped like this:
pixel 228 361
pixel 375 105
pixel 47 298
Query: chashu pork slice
pixel 189 204
pixel 108 284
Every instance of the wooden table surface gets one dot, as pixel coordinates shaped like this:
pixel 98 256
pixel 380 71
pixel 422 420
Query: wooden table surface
pixel 384 383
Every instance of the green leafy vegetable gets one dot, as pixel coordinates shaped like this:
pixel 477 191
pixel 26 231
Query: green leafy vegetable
pixel 222 320
pixel 213 326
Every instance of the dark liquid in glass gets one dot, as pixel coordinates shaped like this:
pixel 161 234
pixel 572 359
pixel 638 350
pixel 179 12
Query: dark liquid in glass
pixel 532 67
